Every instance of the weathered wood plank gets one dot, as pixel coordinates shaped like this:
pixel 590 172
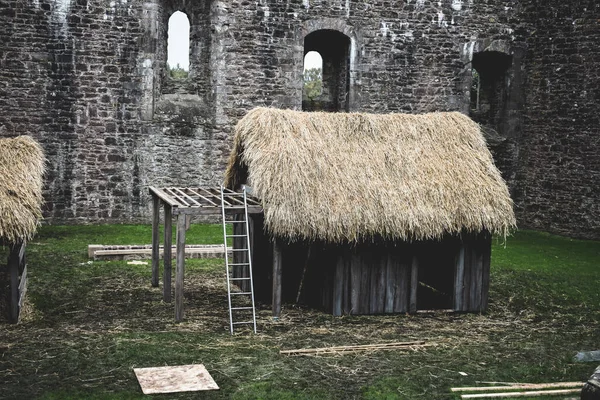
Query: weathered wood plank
pixel 390 283
pixel 402 285
pixel 163 196
pixel 459 275
pixel 467 243
pixel 155 239
pixel 167 255
pixel 277 278
pixel 338 286
pixel 22 287
pixel 180 268
pixel 485 277
pixel 381 283
pixel 355 279
pixel 414 284
pixel 13 271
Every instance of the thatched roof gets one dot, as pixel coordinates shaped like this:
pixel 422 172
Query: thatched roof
pixel 21 168
pixel 351 176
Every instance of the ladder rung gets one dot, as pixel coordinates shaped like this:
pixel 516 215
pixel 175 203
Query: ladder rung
pixel 245 322
pixel 235 222
pixel 238 264
pixel 238 250
pixel 239 293
pixel 234 207
pixel 242 308
pixel 239 279
pixel 236 235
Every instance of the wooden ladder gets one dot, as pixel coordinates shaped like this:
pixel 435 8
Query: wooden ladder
pixel 240 287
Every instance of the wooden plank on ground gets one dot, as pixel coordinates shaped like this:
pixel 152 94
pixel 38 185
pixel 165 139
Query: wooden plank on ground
pixel 183 378
pixel 355 348
pixel 519 386
pixel 533 393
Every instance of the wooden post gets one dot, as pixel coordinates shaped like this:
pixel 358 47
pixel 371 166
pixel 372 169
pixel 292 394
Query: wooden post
pixel 414 284
pixel 155 239
pixel 277 281
pixel 13 270
pixel 167 255
pixel 180 270
pixel 459 275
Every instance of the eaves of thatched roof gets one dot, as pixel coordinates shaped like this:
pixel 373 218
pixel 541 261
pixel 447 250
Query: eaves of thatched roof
pixel 343 177
pixel 21 170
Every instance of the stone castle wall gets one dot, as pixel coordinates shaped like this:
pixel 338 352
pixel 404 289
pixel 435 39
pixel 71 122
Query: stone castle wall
pixel 87 78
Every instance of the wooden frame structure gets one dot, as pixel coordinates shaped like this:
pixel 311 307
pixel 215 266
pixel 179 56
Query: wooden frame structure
pixel 182 203
pixel 17 274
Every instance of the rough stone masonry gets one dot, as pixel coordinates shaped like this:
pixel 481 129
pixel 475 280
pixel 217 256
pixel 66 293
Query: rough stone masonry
pixel 88 79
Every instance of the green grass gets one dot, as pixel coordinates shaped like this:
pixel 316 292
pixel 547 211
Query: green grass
pixel 87 324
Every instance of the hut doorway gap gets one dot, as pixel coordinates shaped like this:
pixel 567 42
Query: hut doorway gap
pixel 489 88
pixel 334 49
pixel 178 45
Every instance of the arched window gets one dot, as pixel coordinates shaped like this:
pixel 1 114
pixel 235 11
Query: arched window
pixel 334 49
pixel 178 45
pixel 313 77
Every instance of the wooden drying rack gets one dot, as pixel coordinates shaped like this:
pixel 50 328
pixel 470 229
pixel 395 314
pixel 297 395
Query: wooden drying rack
pixel 183 203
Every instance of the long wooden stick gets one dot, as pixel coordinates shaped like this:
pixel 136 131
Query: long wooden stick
pixel 535 393
pixel 340 349
pixel 519 386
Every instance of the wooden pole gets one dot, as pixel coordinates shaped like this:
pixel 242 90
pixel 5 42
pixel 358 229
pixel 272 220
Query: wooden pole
pixel 515 386
pixel 414 284
pixel 366 347
pixel 155 239
pixel 535 393
pixel 167 256
pixel 180 270
pixel 277 275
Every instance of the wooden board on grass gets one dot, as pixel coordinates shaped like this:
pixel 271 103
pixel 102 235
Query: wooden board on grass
pixel 182 378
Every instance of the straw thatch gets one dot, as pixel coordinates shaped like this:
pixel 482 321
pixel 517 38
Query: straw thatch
pixel 21 169
pixel 347 177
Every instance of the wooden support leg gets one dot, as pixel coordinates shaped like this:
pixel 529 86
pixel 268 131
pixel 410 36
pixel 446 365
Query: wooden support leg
pixel 414 284
pixel 277 260
pixel 155 239
pixel 167 256
pixel 180 269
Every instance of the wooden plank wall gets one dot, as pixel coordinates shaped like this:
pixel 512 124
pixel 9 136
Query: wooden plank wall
pixel 377 278
pixel 473 273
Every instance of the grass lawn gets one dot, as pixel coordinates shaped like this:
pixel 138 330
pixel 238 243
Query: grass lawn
pixel 87 324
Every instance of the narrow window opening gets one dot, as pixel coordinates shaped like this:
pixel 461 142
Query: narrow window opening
pixel 334 49
pixel 178 46
pixel 489 87
pixel 313 78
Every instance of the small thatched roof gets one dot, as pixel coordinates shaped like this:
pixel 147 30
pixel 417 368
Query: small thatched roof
pixel 351 176
pixel 21 169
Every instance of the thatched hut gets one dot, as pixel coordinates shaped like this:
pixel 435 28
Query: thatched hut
pixel 21 169
pixel 371 213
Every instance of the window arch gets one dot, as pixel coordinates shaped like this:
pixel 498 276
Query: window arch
pixel 313 77
pixel 178 45
pixel 334 49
